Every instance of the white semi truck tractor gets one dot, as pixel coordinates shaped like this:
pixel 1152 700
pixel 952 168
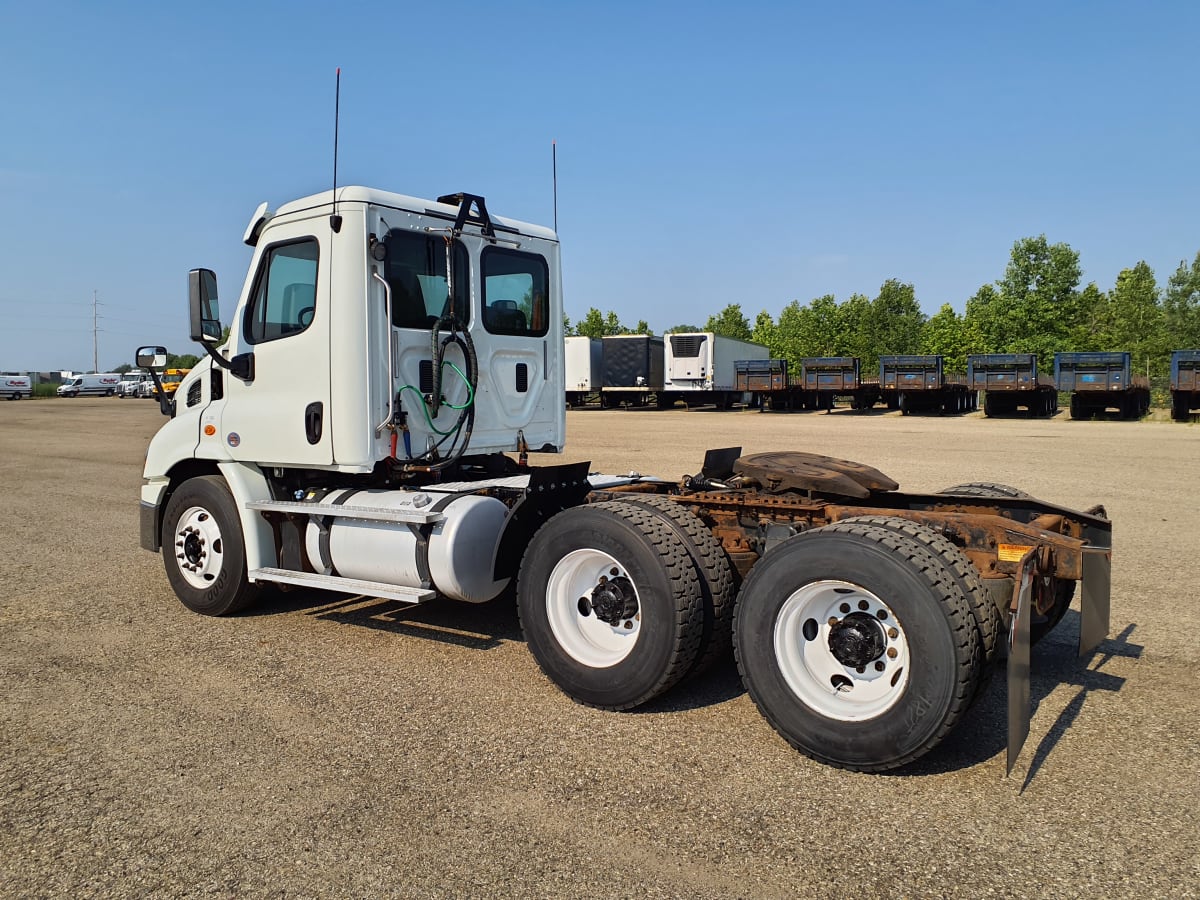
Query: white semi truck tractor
pixel 392 366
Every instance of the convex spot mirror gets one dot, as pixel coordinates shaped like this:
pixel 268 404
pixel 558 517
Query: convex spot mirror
pixel 152 357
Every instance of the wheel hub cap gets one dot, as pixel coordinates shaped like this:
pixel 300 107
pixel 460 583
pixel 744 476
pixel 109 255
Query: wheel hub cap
pixel 614 600
pixel 857 640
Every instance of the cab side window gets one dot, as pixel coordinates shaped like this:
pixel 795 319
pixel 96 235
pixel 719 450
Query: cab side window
pixel 515 292
pixel 285 292
pixel 416 275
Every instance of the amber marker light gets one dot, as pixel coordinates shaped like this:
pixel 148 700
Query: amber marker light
pixel 210 430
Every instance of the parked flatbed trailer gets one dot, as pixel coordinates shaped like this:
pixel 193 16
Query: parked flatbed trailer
pixel 1185 384
pixel 1011 381
pixel 910 383
pixel 764 379
pixel 1100 381
pixel 828 377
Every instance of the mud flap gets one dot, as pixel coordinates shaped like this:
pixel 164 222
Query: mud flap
pixel 1018 661
pixel 1094 599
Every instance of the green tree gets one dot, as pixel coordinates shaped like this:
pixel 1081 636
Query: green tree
pixel 896 319
pixel 683 329
pixel 1137 319
pixel 642 328
pixel 946 334
pixel 568 331
pixel 1040 286
pixel 597 324
pixel 730 322
pixel 856 331
pixel 1181 308
pixel 764 332
pixel 1092 328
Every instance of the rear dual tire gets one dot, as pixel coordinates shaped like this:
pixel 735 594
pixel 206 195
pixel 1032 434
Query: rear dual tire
pixel 610 604
pixel 857 645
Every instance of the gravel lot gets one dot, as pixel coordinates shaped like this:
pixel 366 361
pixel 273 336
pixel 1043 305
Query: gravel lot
pixel 352 747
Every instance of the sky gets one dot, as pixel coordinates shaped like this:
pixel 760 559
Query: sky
pixel 707 153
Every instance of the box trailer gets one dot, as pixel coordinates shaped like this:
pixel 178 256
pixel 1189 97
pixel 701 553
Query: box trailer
pixel 701 367
pixel 583 360
pixel 632 369
pixel 15 386
pixel 1011 381
pixel 1185 384
pixel 1102 381
pixel 909 383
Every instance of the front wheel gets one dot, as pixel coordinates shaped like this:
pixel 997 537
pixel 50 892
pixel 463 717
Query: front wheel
pixel 856 646
pixel 610 604
pixel 203 550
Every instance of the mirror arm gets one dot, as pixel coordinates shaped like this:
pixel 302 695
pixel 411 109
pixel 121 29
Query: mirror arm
pixel 241 366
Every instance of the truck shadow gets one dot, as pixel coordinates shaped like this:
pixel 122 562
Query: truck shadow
pixel 477 626
pixel 982 734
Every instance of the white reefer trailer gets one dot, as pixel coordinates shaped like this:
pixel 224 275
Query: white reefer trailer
pixel 367 426
pixel 583 361
pixel 699 367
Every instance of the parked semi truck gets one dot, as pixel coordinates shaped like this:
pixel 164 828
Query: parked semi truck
pixel 1102 381
pixel 1185 384
pixel 583 361
pixel 921 383
pixel 367 427
pixel 632 370
pixel 1011 381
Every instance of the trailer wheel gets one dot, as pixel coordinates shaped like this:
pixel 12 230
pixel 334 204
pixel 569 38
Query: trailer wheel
pixel 203 550
pixel 987 615
pixel 610 604
pixel 857 646
pixel 718 587
pixel 987 489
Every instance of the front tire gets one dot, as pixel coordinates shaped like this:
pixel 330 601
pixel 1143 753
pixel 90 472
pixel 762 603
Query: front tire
pixel 856 646
pixel 610 604
pixel 203 550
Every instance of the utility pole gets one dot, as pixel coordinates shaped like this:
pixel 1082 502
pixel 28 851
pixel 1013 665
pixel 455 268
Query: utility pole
pixel 95 339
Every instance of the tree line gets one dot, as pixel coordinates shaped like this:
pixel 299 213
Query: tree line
pixel 1038 306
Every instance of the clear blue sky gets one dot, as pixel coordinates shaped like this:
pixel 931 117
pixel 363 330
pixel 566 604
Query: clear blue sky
pixel 708 153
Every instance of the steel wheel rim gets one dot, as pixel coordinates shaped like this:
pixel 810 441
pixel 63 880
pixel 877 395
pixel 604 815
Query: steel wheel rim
pixel 199 549
pixel 819 679
pixel 581 634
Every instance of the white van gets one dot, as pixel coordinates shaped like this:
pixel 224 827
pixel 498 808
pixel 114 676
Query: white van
pixel 14 387
pixel 101 384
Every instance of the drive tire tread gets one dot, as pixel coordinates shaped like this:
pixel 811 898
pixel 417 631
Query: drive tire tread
pixel 718 585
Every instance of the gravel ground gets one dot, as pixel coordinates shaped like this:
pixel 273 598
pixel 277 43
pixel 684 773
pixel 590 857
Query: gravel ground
pixel 352 747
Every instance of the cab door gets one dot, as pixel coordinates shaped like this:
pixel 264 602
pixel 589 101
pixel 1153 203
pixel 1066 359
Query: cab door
pixel 281 415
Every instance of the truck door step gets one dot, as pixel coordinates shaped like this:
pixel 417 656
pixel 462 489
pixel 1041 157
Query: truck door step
pixel 347 585
pixel 306 508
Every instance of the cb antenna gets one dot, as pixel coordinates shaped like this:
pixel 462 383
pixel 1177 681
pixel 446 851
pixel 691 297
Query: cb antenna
pixel 335 221
pixel 554 171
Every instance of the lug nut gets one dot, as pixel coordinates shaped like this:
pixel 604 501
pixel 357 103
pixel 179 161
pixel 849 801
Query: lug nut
pixel 891 652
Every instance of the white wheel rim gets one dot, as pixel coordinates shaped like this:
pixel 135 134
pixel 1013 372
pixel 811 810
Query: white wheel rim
pixel 821 680
pixel 199 550
pixel 580 632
